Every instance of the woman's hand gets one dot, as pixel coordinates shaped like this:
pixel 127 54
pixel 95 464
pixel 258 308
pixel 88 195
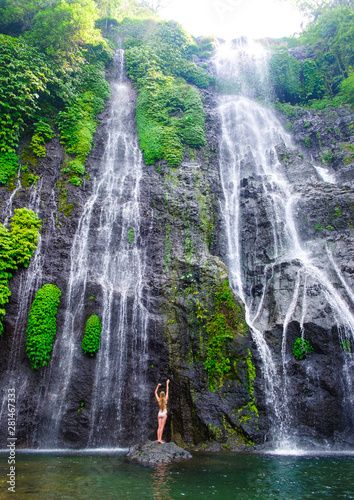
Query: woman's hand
pixel 168 381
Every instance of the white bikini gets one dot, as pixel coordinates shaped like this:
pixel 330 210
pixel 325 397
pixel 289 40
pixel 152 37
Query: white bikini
pixel 162 413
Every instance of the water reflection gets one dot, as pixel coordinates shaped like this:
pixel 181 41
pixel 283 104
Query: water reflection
pixel 162 482
pixel 218 476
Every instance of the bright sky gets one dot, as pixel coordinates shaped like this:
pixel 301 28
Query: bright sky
pixel 230 19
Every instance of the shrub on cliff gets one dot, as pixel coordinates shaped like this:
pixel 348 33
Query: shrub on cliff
pixel 16 248
pixel 169 112
pixel 42 325
pixel 322 79
pixel 227 322
pixel 24 78
pixel 92 337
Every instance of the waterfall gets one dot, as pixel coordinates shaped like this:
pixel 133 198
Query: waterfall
pixel 271 268
pixel 78 400
pixel 107 269
pixel 30 281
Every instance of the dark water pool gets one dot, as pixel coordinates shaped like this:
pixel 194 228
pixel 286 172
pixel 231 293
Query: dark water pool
pixel 223 476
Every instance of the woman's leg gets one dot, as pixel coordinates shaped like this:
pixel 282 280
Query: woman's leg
pixel 163 421
pixel 160 429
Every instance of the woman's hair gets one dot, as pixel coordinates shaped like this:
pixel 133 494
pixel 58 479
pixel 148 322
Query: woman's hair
pixel 162 400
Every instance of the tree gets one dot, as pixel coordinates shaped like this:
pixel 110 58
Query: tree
pixel 17 16
pixel 110 8
pixel 312 9
pixel 155 5
pixel 59 31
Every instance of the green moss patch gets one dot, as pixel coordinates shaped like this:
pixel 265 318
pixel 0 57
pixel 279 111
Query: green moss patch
pixel 226 322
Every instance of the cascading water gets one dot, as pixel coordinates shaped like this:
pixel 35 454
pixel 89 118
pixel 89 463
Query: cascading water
pixel 107 263
pixel 250 140
pixel 30 281
pixel 77 400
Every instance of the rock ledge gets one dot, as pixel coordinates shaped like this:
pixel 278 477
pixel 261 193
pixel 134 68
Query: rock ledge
pixel 152 452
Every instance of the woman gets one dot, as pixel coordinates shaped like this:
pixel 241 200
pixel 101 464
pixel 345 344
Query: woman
pixel 162 415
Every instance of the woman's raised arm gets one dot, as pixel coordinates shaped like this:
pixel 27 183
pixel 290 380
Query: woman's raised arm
pixel 167 386
pixel 156 396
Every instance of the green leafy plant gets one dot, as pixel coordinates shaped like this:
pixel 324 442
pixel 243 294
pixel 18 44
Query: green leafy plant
pixel 302 348
pixel 16 248
pixel 92 337
pixel 19 88
pixel 169 112
pixel 324 79
pixel 42 134
pixel 285 76
pixel 346 345
pixel 288 126
pixel 56 66
pixel 327 158
pixel 77 126
pixel 337 213
pixel 8 166
pixel 77 181
pixel 42 325
pixel 200 312
pixel 223 325
pixel 131 235
pixel 318 227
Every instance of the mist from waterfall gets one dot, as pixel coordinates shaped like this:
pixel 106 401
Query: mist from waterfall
pixel 250 139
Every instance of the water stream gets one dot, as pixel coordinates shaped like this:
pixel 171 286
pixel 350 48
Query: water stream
pixel 107 265
pixel 249 156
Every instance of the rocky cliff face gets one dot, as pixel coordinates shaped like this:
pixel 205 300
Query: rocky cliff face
pixel 198 320
pixel 196 330
pixel 320 388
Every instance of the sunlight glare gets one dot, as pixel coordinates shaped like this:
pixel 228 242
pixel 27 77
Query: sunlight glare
pixel 229 19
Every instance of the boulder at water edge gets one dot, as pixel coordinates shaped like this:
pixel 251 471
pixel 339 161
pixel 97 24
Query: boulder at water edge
pixel 152 452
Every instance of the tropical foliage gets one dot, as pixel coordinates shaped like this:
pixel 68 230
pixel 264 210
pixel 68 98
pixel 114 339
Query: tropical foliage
pixel 92 337
pixel 53 72
pixel 16 248
pixel 325 76
pixel 42 325
pixel 170 112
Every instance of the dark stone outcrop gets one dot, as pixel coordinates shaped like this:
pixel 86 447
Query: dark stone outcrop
pixel 302 53
pixel 325 138
pixel 152 452
pixel 186 272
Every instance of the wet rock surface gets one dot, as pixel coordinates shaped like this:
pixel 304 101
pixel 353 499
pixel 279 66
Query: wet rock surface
pixel 183 235
pixel 317 298
pixel 152 452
